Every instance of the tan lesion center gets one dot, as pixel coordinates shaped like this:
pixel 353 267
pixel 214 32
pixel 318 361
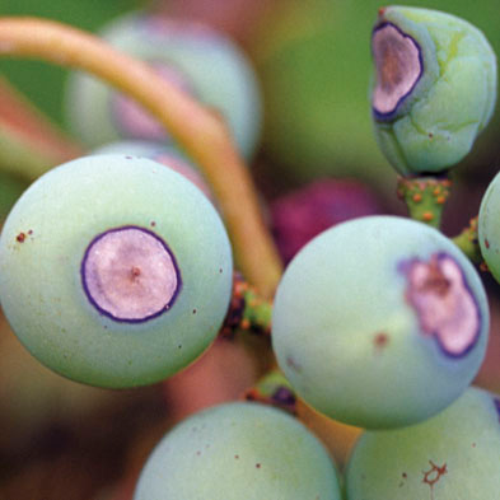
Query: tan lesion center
pixel 398 67
pixel 443 302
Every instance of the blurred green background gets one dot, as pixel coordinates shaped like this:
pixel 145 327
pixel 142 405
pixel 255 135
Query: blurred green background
pixel 314 62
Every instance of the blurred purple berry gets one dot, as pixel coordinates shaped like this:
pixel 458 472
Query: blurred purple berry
pixel 301 215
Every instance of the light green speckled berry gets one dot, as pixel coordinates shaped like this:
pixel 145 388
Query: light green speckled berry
pixel 435 87
pixel 114 271
pixel 380 322
pixel 239 451
pixel 452 456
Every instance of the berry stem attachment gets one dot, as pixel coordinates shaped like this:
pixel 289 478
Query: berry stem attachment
pixel 248 311
pixel 468 242
pixel 200 132
pixel 425 197
pixel 273 389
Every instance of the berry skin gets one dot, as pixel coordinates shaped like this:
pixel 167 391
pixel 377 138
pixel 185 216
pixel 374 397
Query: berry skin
pixel 489 227
pixel 453 455
pixel 115 271
pixel 426 63
pixel 236 451
pixel 164 154
pixel 195 58
pixel 380 322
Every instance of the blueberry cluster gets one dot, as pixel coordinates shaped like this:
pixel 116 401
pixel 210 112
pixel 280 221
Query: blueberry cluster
pixel 116 271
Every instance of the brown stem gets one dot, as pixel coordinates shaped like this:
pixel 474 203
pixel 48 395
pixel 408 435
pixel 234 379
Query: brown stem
pixel 203 135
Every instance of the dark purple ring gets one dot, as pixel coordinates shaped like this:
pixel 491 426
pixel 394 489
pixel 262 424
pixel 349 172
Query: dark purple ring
pixel 389 115
pixel 164 309
pixel 404 268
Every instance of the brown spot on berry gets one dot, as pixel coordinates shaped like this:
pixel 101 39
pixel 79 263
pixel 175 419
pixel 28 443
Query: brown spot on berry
pixel 381 340
pixel 257 466
pixel 433 475
pixel 135 272
pixel 487 243
pixel 21 237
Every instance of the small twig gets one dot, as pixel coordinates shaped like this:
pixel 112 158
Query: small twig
pixel 468 242
pixel 247 311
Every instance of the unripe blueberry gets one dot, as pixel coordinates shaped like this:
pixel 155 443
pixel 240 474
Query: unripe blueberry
pixel 114 271
pixel 239 451
pixel 434 90
pixel 453 455
pixel 489 227
pixel 380 322
pixel 193 57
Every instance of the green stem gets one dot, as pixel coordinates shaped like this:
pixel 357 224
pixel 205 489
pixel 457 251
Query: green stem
pixel 468 242
pixel 425 198
pixel 248 311
pixel 273 389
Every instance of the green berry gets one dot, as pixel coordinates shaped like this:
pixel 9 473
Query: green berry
pixel 434 90
pixel 489 227
pixel 195 58
pixel 380 322
pixel 453 455
pixel 115 271
pixel 167 155
pixel 236 451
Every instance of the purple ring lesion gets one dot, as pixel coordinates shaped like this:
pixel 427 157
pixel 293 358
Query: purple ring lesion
pixel 445 305
pixel 399 66
pixel 130 275
pixel 496 402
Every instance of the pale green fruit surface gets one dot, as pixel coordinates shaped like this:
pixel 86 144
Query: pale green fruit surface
pixel 42 250
pixel 239 451
pixel 452 456
pixel 354 344
pixel 435 124
pixel 489 227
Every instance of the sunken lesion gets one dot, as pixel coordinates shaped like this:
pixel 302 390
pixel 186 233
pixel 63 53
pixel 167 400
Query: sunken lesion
pixel 129 274
pixel 399 67
pixel 443 302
